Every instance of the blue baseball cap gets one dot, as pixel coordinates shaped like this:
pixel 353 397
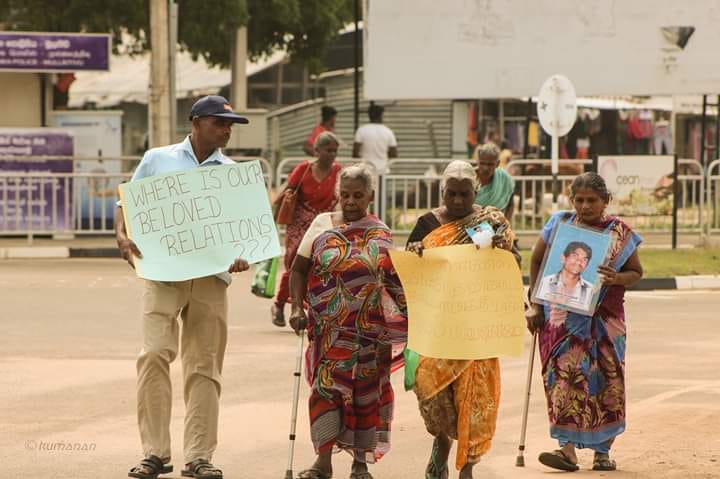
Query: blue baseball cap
pixel 215 105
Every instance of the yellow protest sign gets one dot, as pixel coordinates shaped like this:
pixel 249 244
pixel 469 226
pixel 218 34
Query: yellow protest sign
pixel 463 303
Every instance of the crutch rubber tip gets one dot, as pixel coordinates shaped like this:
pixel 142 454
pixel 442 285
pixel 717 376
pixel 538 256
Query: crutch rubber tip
pixel 520 461
pixel 289 474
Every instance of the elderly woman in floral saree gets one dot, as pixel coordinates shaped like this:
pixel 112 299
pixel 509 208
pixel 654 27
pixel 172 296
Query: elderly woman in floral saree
pixel 583 357
pixel 458 399
pixel 357 328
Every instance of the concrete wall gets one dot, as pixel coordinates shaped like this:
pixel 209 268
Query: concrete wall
pixel 20 100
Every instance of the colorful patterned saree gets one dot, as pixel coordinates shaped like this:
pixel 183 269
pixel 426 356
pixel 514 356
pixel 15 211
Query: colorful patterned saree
pixel 357 328
pixel 460 398
pixel 315 198
pixel 583 357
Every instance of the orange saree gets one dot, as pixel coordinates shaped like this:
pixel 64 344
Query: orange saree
pixel 460 397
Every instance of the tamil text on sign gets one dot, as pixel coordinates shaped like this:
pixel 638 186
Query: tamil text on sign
pixel 463 303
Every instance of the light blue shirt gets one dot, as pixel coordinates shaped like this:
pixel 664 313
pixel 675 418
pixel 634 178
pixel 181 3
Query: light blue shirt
pixel 177 157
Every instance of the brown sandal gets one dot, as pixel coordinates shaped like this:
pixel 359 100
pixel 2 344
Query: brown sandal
pixel 603 463
pixel 150 468
pixel 557 460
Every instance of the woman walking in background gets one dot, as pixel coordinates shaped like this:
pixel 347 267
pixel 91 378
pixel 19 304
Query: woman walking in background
pixel 316 183
pixel 496 185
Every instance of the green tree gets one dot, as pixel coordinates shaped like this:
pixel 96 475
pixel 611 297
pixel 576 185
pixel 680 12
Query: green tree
pixel 304 28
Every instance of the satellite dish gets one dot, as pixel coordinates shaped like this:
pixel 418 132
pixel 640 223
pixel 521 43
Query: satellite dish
pixel 557 106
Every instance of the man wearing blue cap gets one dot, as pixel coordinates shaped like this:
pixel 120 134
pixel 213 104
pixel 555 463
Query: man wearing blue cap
pixel 201 303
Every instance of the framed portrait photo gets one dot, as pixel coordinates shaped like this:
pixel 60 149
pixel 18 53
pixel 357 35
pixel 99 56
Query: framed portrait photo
pixel 569 277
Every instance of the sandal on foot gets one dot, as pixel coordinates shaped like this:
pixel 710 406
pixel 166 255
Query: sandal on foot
pixel 202 469
pixel 604 464
pixel 557 460
pixel 361 475
pixel 313 473
pixel 150 468
pixel 278 316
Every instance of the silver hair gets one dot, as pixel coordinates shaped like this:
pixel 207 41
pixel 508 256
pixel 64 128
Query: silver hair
pixel 325 138
pixel 359 171
pixel 460 170
pixel 487 149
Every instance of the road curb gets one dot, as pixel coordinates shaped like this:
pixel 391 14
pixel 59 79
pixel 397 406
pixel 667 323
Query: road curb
pixel 30 252
pixel 94 253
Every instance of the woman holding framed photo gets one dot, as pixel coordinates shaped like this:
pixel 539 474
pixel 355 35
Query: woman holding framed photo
pixel 583 355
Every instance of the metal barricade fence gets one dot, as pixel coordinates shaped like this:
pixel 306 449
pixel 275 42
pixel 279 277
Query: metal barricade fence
pixel 407 196
pixel 267 169
pixel 691 215
pixel 78 203
pixel 285 167
pixel 532 200
pixel 47 203
pixel 39 203
pixel 402 166
pixel 713 197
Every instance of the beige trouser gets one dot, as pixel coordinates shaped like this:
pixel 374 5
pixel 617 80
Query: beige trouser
pixel 202 305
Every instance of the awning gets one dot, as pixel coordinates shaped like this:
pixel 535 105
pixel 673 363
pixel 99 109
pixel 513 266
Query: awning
pixel 128 80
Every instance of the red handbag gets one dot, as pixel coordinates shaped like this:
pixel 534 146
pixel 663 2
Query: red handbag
pixel 289 200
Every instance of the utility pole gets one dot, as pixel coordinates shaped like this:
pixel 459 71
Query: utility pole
pixel 159 94
pixel 356 62
pixel 238 91
pixel 172 68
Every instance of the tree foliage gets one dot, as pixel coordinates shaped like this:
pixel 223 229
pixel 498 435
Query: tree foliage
pixel 304 28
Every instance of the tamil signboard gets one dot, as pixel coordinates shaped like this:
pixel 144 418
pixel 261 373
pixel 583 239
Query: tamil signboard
pixel 41 200
pixel 54 52
pixel 640 185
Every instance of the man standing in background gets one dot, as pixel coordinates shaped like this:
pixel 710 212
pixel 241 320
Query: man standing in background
pixel 375 143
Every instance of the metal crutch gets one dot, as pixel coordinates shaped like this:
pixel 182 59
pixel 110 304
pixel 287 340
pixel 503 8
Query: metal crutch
pixel 520 460
pixel 296 394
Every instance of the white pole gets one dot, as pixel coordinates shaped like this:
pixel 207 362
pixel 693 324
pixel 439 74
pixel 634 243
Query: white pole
pixel 238 92
pixel 158 101
pixel 172 68
pixel 554 168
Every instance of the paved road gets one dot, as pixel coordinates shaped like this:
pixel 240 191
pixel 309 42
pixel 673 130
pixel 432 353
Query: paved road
pixel 69 333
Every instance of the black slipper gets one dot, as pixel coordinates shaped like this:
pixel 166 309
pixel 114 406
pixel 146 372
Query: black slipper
pixel 557 460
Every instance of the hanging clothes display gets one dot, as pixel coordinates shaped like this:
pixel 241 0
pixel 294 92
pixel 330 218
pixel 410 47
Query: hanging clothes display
pixel 640 130
pixel 662 137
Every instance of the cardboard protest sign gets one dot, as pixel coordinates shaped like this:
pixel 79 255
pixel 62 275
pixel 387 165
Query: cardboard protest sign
pixel 463 303
pixel 194 223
